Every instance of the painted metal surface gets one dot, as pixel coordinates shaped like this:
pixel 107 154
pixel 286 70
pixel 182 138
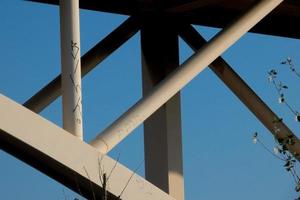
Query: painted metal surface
pixel 68 160
pixel 89 61
pixel 213 13
pixel 137 114
pixel 71 67
pixel 162 130
pixel 238 86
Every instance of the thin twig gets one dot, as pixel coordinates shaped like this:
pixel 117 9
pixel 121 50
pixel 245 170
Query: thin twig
pixel 100 169
pixel 64 193
pixel 104 187
pixel 77 184
pixel 293 175
pixel 291 65
pixel 133 173
pixel 298 178
pixel 113 168
pixel 91 185
pixel 266 148
pixel 291 109
pixel 278 89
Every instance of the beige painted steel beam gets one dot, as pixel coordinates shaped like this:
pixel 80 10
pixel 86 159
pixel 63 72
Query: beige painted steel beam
pixel 238 86
pixel 63 157
pixel 89 61
pixel 71 67
pixel 173 83
pixel 162 130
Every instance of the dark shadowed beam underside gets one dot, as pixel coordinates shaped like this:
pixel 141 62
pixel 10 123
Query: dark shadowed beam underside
pixel 214 13
pixel 70 161
pixel 278 25
pixel 125 7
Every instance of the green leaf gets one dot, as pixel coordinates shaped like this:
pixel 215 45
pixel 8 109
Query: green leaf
pixel 283 62
pixel 287 164
pixel 277 120
pixel 298 118
pixel 284 148
pixel 280 140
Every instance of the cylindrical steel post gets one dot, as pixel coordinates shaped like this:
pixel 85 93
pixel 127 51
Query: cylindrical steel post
pixel 89 61
pixel 180 77
pixel 71 67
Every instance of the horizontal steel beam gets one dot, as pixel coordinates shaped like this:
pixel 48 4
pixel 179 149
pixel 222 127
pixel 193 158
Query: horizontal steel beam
pixel 113 6
pixel 65 158
pixel 281 23
pixel 274 24
pixel 89 61
pixel 236 84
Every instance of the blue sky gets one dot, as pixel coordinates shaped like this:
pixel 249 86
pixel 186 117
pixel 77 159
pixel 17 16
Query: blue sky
pixel 220 161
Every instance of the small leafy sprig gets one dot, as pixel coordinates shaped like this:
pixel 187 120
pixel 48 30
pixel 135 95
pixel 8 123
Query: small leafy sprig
pixel 104 178
pixel 280 151
pixel 289 63
pixel 280 89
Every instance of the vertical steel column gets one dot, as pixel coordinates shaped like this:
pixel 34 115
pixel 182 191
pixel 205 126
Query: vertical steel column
pixel 90 60
pixel 174 82
pixel 162 130
pixel 71 67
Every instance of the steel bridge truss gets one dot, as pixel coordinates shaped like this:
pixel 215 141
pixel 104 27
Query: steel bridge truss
pixel 83 166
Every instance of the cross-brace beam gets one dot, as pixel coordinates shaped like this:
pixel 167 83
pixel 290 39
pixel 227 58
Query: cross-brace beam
pixel 70 161
pixel 236 84
pixel 173 83
pixel 89 61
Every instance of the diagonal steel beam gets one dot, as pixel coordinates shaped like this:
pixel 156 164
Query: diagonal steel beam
pixel 238 86
pixel 173 83
pixel 55 152
pixel 93 57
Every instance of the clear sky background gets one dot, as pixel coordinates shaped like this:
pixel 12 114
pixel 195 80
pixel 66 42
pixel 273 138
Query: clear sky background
pixel 220 160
